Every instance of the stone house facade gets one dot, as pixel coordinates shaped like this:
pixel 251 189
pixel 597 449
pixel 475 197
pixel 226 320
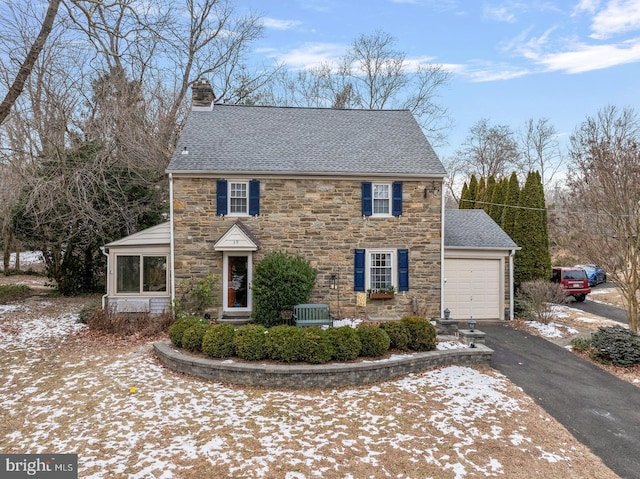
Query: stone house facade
pixel 358 193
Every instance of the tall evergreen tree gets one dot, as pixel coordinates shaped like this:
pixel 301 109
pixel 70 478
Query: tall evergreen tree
pixel 465 198
pixel 488 194
pixel 473 192
pixel 497 200
pixel 480 193
pixel 510 203
pixel 530 233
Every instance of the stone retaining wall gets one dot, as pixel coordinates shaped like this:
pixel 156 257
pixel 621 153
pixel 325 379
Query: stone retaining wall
pixel 299 376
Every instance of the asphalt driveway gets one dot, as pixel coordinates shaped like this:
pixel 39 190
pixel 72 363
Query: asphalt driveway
pixel 600 410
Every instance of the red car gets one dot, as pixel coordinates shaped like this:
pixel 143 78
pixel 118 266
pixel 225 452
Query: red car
pixel 574 281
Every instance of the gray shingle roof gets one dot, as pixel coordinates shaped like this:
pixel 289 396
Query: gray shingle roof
pixel 258 139
pixel 474 229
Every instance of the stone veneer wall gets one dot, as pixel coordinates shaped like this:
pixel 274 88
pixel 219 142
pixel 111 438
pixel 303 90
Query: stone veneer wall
pixel 321 220
pixel 331 375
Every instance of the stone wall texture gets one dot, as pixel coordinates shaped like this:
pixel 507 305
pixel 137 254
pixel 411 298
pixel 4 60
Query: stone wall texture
pixel 320 219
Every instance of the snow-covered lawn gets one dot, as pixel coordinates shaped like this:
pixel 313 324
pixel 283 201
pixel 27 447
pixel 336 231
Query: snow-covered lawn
pixel 128 417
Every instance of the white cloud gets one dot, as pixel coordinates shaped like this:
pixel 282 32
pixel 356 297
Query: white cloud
pixel 490 71
pixel 501 13
pixel 619 16
pixel 277 24
pixel 589 6
pixel 312 55
pixel 585 58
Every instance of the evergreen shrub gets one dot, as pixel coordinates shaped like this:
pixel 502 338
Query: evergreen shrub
pixel 177 329
pixel 218 341
pixel 192 337
pixel 375 341
pixel 284 343
pixel 399 334
pixel 280 281
pixel 423 334
pixel 580 344
pixel 619 345
pixel 345 342
pixel 315 346
pixel 250 342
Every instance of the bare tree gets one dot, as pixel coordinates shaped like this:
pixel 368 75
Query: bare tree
pixel 604 178
pixel 489 150
pixel 540 150
pixel 372 74
pixel 17 86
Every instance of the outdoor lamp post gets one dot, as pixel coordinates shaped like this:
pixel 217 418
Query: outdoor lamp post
pixel 472 325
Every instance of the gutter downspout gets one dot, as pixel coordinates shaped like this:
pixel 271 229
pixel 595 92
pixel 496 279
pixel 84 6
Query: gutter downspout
pixel 511 289
pixel 104 296
pixel 442 278
pixel 171 245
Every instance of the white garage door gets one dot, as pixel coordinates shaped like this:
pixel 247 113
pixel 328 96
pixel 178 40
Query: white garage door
pixel 472 288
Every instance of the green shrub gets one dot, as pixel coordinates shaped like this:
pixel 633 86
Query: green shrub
pixel 13 292
pixel 177 329
pixel 423 334
pixel 399 334
pixel 345 343
pixel 375 341
pixel 192 337
pixel 315 346
pixel 580 344
pixel 250 342
pixel 284 343
pixel 218 341
pixel 619 345
pixel 280 281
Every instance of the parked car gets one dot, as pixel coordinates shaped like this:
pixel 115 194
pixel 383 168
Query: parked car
pixel 595 273
pixel 574 281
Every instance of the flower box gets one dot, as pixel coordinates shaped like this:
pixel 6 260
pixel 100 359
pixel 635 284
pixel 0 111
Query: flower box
pixel 381 295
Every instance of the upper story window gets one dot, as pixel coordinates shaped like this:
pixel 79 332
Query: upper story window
pixel 381 199
pixel 238 198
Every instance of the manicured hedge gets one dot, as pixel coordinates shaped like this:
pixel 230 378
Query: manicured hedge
pixel 218 341
pixel 312 345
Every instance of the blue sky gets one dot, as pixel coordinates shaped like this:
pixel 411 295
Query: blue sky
pixel 510 60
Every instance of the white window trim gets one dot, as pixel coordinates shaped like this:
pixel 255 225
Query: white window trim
pixel 141 291
pixel 236 182
pixel 394 266
pixel 390 189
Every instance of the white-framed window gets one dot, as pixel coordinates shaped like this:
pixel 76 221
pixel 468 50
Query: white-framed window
pixel 381 197
pixel 380 272
pixel 141 274
pixel 238 198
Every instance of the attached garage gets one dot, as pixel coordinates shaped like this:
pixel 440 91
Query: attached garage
pixel 478 279
pixel 473 287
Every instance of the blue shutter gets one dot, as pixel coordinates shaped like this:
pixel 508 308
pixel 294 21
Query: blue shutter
pixel 403 270
pixel 367 200
pixel 254 197
pixel 396 195
pixel 358 270
pixel 221 197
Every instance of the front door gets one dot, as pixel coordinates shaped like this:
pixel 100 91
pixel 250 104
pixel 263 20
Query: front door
pixel 237 281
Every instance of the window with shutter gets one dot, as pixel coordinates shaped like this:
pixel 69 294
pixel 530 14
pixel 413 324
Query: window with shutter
pixel 381 199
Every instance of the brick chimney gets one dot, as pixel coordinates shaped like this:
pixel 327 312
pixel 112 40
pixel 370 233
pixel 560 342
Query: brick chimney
pixel 202 94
